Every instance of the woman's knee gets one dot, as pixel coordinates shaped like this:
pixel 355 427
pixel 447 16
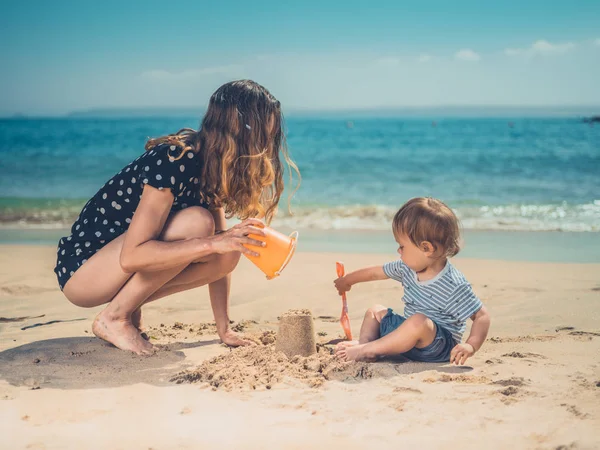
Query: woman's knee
pixel 227 263
pixel 192 222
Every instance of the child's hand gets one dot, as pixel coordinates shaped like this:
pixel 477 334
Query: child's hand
pixel 461 353
pixel 342 285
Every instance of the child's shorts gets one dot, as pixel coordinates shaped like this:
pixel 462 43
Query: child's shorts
pixel 438 351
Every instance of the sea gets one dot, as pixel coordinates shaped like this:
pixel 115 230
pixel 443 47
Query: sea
pixel 524 188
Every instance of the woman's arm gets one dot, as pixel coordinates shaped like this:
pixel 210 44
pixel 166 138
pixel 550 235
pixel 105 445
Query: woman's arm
pixel 219 290
pixel 142 251
pixel 219 294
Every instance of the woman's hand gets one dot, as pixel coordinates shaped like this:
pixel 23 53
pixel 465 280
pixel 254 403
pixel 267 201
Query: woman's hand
pixel 235 239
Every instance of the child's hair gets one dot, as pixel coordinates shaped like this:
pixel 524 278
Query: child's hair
pixel 239 142
pixel 428 219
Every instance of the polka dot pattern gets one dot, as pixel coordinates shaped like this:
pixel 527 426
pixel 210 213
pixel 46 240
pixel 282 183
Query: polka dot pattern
pixel 110 212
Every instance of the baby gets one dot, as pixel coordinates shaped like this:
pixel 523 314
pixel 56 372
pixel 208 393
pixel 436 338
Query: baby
pixel 438 299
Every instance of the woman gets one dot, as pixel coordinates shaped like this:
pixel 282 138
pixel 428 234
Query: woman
pixel 158 226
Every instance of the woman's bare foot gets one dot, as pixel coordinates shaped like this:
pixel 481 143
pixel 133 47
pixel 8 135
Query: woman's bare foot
pixel 233 339
pixel 136 321
pixel 121 333
pixel 353 353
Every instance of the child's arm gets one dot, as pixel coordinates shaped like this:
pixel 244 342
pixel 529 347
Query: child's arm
pixel 345 283
pixel 479 330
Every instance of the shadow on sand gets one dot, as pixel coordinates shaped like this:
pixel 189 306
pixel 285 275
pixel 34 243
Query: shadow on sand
pixel 88 362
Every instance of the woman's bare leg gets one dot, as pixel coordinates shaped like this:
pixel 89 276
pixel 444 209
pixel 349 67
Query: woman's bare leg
pixel 101 280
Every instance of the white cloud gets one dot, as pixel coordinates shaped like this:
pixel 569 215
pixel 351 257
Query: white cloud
pixel 597 42
pixel 162 75
pixel 424 57
pixel 467 54
pixel 541 47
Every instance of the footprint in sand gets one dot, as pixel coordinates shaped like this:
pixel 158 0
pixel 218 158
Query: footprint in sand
pixel 584 333
pixel 494 361
pixel 510 391
pixel 469 379
pixel 524 355
pixel 19 319
pixel 407 389
pixel 571 446
pixel 328 318
pixel 576 412
pixel 511 394
pixel 541 338
pixel 514 381
pixel 41 324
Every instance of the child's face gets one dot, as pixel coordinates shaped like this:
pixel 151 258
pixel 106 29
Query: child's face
pixel 417 258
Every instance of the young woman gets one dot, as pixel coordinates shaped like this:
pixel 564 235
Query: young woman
pixel 158 226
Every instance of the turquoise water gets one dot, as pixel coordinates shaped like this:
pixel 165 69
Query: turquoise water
pixel 542 246
pixel 498 174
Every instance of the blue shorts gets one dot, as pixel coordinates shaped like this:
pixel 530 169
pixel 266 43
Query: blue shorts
pixel 438 351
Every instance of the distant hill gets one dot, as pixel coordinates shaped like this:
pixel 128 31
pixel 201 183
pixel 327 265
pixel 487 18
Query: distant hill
pixel 435 111
pixel 118 113
pixel 429 112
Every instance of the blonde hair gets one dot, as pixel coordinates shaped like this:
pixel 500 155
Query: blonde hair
pixel 240 142
pixel 428 219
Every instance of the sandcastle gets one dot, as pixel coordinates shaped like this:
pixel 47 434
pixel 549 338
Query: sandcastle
pixel 296 335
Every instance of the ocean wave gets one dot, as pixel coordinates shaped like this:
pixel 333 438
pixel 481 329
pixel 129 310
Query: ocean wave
pixel 515 217
pixel 561 217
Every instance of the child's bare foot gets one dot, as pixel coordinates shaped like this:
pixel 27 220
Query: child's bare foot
pixel 353 353
pixel 345 344
pixel 121 333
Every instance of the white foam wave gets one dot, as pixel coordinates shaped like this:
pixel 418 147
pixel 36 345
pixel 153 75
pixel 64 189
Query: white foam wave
pixel 561 217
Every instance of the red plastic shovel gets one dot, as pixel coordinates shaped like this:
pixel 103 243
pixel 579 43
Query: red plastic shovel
pixel 344 319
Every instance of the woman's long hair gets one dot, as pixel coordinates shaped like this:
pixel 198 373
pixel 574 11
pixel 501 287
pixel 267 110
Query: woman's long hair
pixel 240 142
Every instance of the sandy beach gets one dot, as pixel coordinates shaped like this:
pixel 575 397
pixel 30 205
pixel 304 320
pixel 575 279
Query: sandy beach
pixel 534 385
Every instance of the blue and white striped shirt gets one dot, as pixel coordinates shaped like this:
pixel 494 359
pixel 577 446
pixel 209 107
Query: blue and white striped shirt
pixel 447 299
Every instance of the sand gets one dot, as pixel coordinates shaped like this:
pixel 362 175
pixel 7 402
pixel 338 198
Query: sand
pixel 296 333
pixel 535 383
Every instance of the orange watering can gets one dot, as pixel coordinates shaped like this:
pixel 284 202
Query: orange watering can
pixel 276 254
pixel 344 319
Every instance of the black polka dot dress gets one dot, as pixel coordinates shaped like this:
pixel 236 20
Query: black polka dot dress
pixel 108 214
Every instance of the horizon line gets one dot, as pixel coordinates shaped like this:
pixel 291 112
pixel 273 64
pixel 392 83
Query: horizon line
pixel 149 111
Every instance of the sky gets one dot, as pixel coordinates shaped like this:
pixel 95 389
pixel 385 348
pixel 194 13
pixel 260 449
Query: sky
pixel 64 56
